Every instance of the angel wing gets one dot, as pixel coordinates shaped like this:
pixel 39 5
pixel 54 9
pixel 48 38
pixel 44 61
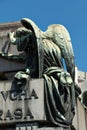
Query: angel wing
pixel 61 38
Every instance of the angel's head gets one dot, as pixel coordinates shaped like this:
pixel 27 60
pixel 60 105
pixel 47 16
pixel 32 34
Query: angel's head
pixel 22 31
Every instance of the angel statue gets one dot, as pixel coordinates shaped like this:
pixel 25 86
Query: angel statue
pixel 49 55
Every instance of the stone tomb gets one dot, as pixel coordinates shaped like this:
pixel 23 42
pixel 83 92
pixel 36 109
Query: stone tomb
pixel 26 105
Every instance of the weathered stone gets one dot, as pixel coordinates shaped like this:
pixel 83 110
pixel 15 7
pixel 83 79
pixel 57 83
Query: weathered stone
pixel 21 106
pixel 7 48
pixel 10 65
pixel 34 126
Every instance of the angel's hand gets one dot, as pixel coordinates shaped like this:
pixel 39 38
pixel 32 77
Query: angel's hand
pixel 12 38
pixel 11 34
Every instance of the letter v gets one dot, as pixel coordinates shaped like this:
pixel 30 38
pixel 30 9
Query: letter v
pixel 4 95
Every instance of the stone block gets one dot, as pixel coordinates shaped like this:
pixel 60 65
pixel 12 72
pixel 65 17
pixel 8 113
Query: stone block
pixel 22 106
pixel 10 65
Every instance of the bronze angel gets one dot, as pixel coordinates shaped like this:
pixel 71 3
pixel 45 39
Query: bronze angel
pixel 46 53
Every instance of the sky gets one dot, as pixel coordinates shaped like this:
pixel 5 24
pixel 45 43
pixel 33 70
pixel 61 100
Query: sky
pixel 70 13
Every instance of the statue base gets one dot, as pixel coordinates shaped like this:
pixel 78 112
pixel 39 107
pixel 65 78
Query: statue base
pixel 34 126
pixel 22 108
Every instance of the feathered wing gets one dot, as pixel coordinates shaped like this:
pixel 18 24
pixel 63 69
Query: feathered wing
pixel 61 38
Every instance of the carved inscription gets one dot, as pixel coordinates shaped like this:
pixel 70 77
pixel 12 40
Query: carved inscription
pixel 24 105
pixel 13 96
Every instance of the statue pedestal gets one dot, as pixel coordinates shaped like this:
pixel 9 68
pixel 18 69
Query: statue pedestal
pixel 26 105
pixel 34 126
pixel 23 108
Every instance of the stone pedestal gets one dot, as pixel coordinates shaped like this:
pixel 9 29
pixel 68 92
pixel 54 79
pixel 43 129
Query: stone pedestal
pixel 34 126
pixel 26 105
pixel 23 108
